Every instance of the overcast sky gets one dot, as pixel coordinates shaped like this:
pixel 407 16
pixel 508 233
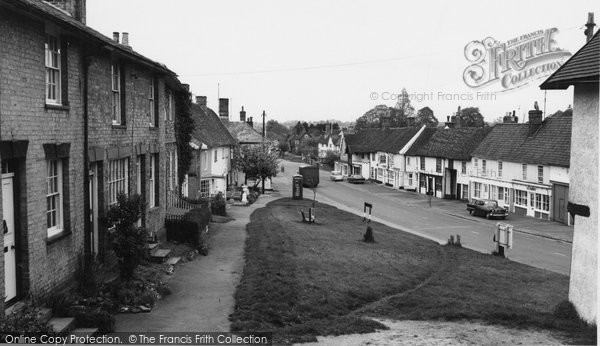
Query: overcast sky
pixel 316 60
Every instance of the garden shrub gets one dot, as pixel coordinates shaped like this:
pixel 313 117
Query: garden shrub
pixel 218 205
pixel 23 321
pixel 128 240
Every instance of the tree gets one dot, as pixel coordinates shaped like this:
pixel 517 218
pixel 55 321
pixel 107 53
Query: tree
pixel 283 148
pixel 372 118
pixel 298 128
pixel 425 117
pixel 403 105
pixel 471 117
pixel 258 160
pixel 309 148
pixel 330 158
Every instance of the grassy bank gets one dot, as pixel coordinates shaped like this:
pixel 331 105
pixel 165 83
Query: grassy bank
pixel 304 280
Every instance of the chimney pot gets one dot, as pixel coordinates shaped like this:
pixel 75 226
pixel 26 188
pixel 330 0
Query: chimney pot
pixel 125 40
pixel 116 36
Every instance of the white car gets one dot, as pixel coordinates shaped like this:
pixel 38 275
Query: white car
pixel 336 176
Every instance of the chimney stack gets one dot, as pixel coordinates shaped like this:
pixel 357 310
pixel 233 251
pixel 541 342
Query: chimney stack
pixel 250 122
pixel 242 115
pixel 535 121
pixel 224 109
pixel 116 36
pixel 589 32
pixel 125 41
pixel 75 8
pixel 201 101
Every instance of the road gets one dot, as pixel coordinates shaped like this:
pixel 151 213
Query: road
pixel 410 213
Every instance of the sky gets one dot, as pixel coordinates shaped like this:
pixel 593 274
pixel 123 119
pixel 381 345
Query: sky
pixel 316 60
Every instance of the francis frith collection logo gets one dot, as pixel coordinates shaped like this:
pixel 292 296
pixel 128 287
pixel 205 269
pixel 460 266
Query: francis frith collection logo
pixel 514 63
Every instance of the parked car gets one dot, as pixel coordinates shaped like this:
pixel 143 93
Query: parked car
pixel 336 176
pixel 356 179
pixel 486 207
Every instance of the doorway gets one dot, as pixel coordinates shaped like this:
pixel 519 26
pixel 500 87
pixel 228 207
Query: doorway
pixel 10 249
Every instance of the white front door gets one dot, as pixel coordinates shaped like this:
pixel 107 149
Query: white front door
pixel 8 225
pixel 94 207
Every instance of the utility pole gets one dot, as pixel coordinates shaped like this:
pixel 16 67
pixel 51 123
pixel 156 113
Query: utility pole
pixel 264 131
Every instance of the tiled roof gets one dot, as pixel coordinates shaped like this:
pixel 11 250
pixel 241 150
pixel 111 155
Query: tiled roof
pixel 52 13
pixel 209 129
pixel 244 133
pixel 386 140
pixel 583 66
pixel 550 145
pixel 454 143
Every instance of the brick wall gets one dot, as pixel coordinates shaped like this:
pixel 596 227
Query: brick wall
pixel 24 116
pixel 134 134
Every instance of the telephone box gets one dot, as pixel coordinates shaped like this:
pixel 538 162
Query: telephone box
pixel 297 186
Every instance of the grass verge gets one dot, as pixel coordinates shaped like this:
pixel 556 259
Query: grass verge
pixel 304 280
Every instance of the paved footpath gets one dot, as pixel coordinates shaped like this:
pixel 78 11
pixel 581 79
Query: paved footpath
pixel 201 298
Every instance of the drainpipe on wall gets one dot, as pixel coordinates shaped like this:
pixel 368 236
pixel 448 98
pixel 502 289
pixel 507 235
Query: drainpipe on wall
pixel 87 241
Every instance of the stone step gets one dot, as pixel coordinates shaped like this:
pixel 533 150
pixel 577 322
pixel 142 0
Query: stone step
pixel 44 314
pixel 173 260
pixel 16 307
pixel 83 332
pixel 160 255
pixel 62 324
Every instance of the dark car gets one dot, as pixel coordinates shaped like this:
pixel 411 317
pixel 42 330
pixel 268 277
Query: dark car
pixel 356 179
pixel 486 207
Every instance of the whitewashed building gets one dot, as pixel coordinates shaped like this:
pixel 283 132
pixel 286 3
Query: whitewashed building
pixel 439 161
pixel 582 71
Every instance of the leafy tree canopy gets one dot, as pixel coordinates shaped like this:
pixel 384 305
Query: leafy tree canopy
pixel 425 117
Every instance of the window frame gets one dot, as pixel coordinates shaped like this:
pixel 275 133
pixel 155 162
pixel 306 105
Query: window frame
pixel 524 171
pixel 58 226
pixel 116 84
pixel 484 167
pixel 540 174
pixel 463 168
pixel 154 181
pixel 499 169
pixel 117 179
pixel 204 185
pixel 422 163
pixel 151 103
pixel 521 198
pixel 438 165
pixel 52 35
pixel 477 189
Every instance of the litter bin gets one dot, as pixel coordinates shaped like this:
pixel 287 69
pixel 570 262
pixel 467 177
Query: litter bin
pixel 297 186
